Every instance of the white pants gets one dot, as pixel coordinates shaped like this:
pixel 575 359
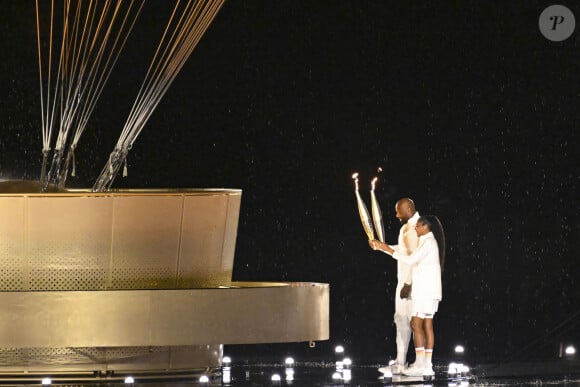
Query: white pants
pixel 403 323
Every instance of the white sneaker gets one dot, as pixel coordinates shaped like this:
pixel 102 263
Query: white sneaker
pixel 428 373
pixel 384 370
pixel 397 368
pixel 413 370
pixel 393 368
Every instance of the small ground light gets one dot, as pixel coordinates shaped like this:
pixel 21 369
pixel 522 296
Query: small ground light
pixel 226 377
pixel 458 383
pixel 226 370
pixel 346 362
pixel 204 379
pixel 346 375
pixel 129 380
pixel 459 349
pixel 570 350
pixel 339 349
pixel 453 369
pixel 289 371
pixel 276 378
pixel 336 376
pixel 387 377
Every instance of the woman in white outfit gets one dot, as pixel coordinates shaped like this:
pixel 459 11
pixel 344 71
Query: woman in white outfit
pixel 427 264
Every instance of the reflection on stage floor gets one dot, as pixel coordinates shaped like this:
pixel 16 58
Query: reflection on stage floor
pixel 334 371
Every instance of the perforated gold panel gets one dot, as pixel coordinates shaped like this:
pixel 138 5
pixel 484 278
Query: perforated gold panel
pixel 121 240
pixel 145 247
pixel 13 266
pixel 34 360
pixel 67 242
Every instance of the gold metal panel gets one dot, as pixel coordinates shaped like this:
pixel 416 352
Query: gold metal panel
pixel 231 232
pixel 207 253
pixel 67 242
pixel 145 246
pixel 254 313
pixel 12 244
pixel 132 239
pixel 122 359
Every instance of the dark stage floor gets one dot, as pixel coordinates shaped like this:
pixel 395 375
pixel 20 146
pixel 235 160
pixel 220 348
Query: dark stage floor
pixel 326 373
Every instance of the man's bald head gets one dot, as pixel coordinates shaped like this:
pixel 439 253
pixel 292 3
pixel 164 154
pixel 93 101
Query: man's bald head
pixel 404 209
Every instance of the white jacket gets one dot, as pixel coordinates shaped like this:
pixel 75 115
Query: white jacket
pixel 426 268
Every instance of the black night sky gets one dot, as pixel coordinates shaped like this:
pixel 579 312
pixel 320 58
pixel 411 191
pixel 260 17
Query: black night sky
pixel 465 105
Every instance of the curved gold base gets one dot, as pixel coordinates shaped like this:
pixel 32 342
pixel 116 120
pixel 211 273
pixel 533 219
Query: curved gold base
pixel 176 329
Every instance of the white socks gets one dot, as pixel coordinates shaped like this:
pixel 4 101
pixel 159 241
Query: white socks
pixel 420 357
pixel 428 356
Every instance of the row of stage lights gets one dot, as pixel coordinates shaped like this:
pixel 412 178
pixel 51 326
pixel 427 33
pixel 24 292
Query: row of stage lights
pixel 342 372
pixel 129 380
pixel 567 352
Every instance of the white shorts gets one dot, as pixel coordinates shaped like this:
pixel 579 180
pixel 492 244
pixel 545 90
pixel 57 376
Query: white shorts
pixel 424 308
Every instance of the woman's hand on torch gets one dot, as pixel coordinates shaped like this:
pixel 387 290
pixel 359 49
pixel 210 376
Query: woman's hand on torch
pixel 378 245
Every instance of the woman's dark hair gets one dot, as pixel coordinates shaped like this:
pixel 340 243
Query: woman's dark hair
pixel 437 229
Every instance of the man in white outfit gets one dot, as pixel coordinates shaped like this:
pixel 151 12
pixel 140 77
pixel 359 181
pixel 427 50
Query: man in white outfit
pixel 407 243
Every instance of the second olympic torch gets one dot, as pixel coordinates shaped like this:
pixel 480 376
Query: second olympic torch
pixel 363 212
pixel 377 215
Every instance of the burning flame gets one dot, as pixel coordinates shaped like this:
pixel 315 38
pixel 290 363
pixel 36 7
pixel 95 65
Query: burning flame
pixel 355 178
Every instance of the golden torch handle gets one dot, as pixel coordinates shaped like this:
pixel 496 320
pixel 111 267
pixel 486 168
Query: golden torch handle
pixel 377 217
pixel 364 217
pixel 362 211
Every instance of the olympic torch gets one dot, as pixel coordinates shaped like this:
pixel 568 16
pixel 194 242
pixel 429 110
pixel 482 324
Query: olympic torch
pixel 377 215
pixel 362 211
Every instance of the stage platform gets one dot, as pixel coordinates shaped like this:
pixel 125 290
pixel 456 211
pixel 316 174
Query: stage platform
pixel 276 372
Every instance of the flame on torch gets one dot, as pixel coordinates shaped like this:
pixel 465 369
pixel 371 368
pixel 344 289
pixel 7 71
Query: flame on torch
pixel 362 211
pixel 355 178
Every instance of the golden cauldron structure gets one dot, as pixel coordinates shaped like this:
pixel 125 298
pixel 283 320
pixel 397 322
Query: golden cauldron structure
pixel 135 281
